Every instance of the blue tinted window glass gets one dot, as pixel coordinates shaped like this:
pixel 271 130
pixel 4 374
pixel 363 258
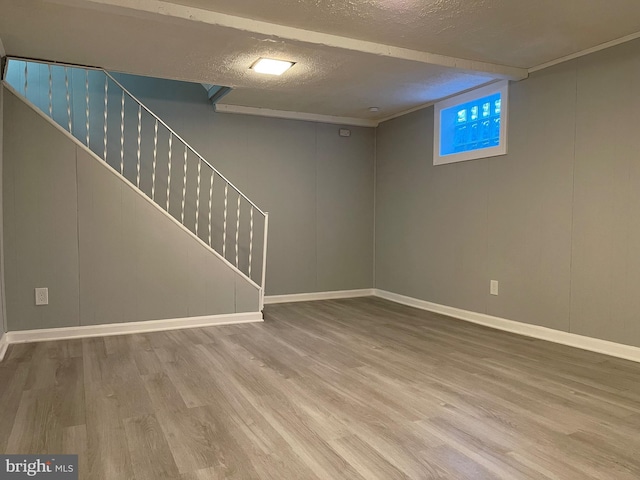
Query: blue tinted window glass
pixel 471 126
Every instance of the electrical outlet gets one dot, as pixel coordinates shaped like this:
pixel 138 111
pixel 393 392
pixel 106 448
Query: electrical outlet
pixel 493 288
pixel 42 296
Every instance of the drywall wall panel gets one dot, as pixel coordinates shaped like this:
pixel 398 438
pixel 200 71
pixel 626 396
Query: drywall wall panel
pixel 103 255
pixel 606 247
pixel 431 236
pixel 246 298
pixel 138 265
pixel 282 159
pixel 40 220
pixel 344 228
pixel 557 215
pixel 401 144
pixel 530 203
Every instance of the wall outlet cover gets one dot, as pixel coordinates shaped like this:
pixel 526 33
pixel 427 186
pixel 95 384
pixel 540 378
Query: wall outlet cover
pixel 493 288
pixel 42 296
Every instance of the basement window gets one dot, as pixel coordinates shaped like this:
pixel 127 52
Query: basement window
pixel 472 125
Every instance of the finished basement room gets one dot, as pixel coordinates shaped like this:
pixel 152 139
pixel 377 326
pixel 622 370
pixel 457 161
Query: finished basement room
pixel 318 240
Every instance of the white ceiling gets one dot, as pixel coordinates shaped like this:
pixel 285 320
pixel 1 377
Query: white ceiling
pixel 351 55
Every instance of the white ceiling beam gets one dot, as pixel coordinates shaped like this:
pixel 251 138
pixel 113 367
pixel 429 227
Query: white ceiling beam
pixel 308 117
pixel 154 9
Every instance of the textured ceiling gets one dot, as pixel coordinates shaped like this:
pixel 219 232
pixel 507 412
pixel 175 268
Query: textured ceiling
pixel 522 33
pixel 350 54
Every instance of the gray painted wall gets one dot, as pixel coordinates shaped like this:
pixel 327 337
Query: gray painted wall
pixel 555 221
pixel 316 185
pixel 105 253
pixel 2 301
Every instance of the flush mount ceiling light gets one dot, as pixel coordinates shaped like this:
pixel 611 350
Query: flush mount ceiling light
pixel 270 66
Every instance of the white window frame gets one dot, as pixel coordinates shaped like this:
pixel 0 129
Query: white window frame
pixel 501 87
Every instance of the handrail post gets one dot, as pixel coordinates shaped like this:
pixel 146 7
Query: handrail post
pixel 264 260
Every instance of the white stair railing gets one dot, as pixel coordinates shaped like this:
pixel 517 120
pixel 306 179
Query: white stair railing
pixel 104 116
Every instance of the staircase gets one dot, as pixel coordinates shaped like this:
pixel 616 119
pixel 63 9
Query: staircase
pixel 96 109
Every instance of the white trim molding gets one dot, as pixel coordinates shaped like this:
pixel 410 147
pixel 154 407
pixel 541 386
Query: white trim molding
pixel 4 344
pixel 310 297
pixel 106 330
pixel 613 349
pixel 605 347
pixel 290 115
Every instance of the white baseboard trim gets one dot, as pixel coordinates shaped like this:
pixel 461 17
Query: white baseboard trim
pixel 309 297
pixel 613 349
pixel 3 345
pixel 106 330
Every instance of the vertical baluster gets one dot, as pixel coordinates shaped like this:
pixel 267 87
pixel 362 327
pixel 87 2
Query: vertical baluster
pixel 86 98
pixel 122 135
pixel 250 239
pixel 50 92
pixel 198 196
pixel 139 139
pixel 237 229
pixel 106 103
pixel 213 174
pixel 224 223
pixel 184 183
pixel 169 173
pixel 155 161
pixel 66 84
pixel 26 77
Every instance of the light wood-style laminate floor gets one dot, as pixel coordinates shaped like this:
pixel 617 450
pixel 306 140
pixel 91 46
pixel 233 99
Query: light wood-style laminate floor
pixel 344 389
